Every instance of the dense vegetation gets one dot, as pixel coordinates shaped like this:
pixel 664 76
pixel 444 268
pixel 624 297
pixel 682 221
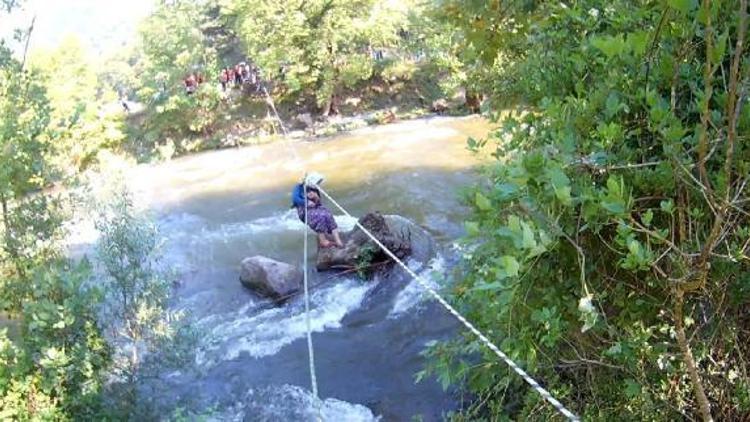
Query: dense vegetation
pixel 315 57
pixel 608 248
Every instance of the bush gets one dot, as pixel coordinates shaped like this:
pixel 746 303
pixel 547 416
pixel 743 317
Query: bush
pixel 54 371
pixel 148 336
pixel 605 244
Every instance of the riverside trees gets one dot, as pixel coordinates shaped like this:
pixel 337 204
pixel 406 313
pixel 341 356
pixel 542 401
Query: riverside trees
pixel 611 239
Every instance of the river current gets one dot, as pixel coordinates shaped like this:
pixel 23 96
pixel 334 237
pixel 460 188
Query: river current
pixel 214 209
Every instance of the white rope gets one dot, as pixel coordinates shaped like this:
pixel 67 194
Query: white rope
pixel 271 104
pixel 310 350
pixel 535 385
pixel 487 342
pixel 308 323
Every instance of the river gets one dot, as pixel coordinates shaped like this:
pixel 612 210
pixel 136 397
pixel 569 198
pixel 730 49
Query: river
pixel 216 208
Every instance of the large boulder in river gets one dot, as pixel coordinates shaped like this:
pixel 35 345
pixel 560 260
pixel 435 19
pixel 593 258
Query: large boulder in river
pixel 270 278
pixel 360 253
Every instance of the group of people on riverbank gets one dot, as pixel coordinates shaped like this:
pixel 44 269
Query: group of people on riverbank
pixel 239 75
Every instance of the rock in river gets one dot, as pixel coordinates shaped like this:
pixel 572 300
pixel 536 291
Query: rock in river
pixel 401 236
pixel 270 278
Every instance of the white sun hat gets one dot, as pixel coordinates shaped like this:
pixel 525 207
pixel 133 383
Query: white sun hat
pixel 314 179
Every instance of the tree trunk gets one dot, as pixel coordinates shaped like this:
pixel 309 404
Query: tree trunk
pixel 10 249
pixel 331 107
pixel 700 394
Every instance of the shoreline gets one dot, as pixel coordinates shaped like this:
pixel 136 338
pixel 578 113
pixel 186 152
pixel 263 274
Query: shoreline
pixel 337 126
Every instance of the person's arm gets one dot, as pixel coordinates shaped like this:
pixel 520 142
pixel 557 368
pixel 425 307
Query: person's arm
pixel 298 195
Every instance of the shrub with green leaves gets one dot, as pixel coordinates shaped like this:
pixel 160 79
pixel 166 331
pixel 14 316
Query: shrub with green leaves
pixel 54 371
pixel 147 335
pixel 609 248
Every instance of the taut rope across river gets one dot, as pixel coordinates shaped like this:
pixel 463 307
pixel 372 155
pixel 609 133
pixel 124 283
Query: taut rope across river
pixel 423 283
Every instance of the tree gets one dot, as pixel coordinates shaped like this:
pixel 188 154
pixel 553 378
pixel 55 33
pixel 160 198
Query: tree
pixel 322 45
pixel 28 218
pixel 54 371
pixel 82 122
pixel 172 45
pixel 625 163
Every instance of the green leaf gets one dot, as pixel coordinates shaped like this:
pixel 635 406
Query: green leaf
pixel 558 177
pixel 720 48
pixel 488 286
pixel 684 6
pixel 511 265
pixel 667 206
pixel 632 388
pixel 647 217
pixel 563 195
pixel 506 190
pixel 472 228
pixel 482 202
pixel 611 46
pixel 612 105
pixel 613 207
pixel 528 241
pixel 638 42
pixel 613 187
pixel 614 350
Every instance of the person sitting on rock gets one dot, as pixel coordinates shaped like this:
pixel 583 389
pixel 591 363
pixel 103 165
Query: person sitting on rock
pixel 319 218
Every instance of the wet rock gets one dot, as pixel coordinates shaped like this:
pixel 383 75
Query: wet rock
pixel 306 119
pixel 401 236
pixel 439 105
pixel 270 278
pixel 422 245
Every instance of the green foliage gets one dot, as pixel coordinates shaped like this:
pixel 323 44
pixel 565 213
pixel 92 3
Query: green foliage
pixel 603 246
pixel 30 219
pixel 365 259
pixel 148 336
pixel 77 104
pixel 55 371
pixel 173 44
pixel 324 44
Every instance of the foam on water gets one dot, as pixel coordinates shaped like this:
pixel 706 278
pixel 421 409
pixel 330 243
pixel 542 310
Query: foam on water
pixel 278 222
pixel 292 403
pixel 413 294
pixel 265 333
pixel 184 234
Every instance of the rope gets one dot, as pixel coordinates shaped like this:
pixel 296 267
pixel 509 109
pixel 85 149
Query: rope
pixel 308 324
pixel 271 104
pixel 310 350
pixel 487 342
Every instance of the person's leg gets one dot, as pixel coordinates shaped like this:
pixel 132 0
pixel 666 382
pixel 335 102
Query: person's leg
pixel 337 238
pixel 323 241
